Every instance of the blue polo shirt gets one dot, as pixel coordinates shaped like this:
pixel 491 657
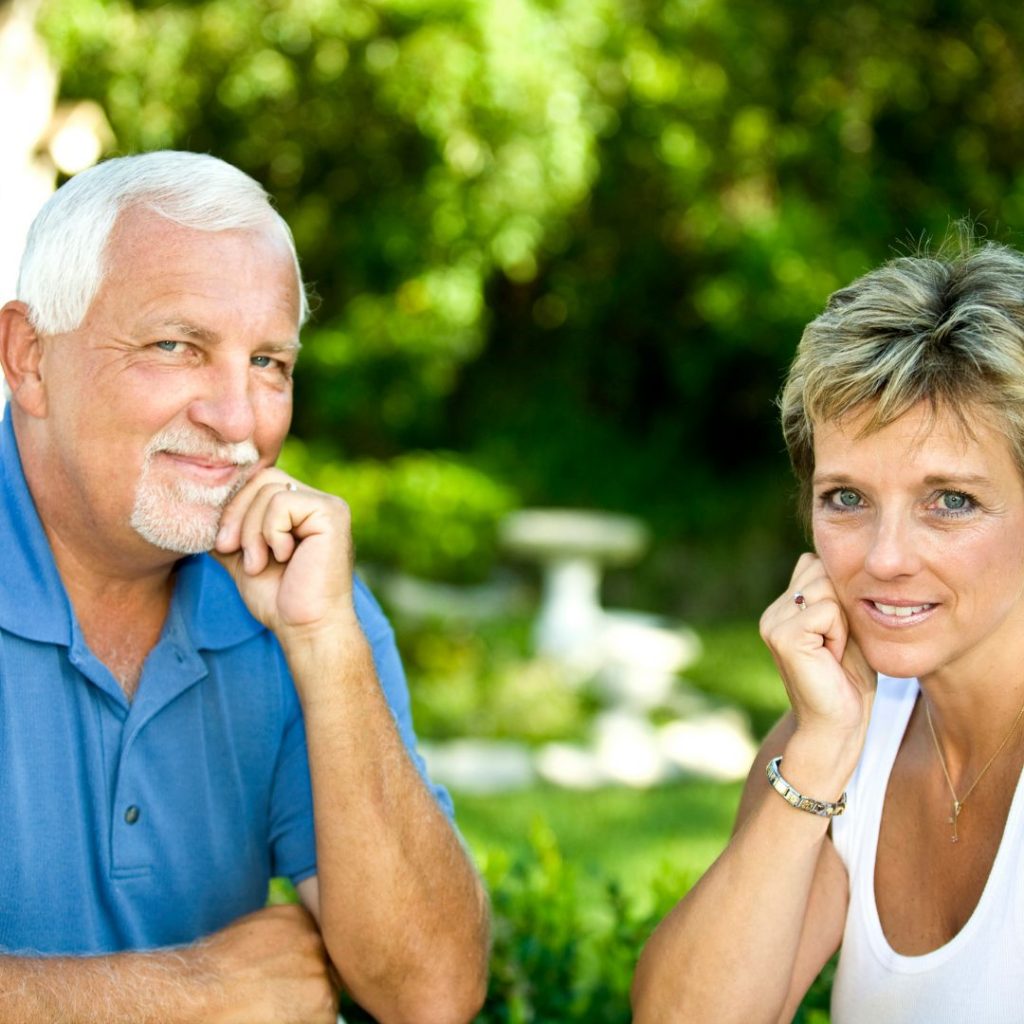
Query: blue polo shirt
pixel 151 823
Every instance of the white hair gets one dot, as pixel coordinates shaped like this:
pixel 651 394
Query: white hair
pixel 63 264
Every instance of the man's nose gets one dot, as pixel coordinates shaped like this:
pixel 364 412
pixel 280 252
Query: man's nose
pixel 226 405
pixel 893 549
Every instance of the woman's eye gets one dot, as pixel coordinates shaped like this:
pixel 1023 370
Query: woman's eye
pixel 847 498
pixel 954 501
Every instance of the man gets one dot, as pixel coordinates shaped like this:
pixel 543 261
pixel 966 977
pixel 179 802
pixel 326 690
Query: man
pixel 176 726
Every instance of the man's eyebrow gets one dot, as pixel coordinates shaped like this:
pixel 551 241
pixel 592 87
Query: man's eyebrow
pixel 185 327
pixel 282 346
pixel 193 330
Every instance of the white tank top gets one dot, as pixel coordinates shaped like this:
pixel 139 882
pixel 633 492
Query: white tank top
pixel 976 977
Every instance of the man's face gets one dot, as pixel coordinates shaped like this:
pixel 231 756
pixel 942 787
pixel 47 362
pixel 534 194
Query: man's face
pixel 174 388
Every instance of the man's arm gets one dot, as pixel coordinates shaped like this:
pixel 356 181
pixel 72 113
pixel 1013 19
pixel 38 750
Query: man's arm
pixel 269 967
pixel 402 911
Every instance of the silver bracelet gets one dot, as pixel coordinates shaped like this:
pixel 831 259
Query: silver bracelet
pixel 823 808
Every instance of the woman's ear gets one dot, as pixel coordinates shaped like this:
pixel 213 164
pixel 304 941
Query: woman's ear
pixel 21 359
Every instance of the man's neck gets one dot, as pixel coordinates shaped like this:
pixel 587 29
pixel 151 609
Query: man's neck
pixel 121 614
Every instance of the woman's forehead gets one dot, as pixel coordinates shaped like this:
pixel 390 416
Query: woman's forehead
pixel 929 437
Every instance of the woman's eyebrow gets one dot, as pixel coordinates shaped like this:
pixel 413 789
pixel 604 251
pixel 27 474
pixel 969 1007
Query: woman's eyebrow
pixel 940 480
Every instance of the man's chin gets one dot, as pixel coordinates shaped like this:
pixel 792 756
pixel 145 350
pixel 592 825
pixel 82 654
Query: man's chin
pixel 191 532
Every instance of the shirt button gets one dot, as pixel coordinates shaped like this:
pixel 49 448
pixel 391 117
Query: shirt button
pixel 131 814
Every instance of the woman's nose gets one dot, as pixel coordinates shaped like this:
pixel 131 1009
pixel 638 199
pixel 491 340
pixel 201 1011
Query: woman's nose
pixel 893 550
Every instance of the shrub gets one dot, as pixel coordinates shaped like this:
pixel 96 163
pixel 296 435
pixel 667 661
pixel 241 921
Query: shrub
pixel 425 513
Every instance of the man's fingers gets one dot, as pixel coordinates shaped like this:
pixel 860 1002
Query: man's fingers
pixel 229 537
pixel 265 526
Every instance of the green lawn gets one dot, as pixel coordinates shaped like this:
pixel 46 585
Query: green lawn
pixel 634 836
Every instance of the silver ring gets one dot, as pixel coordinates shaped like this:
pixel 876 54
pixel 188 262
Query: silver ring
pixel 799 600
pixel 291 486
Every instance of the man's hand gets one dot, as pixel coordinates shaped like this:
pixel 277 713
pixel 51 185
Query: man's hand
pixel 289 550
pixel 271 967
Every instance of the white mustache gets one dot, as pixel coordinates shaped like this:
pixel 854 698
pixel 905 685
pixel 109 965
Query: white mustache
pixel 183 441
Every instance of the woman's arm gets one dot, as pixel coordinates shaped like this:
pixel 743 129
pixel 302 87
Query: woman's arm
pixel 749 938
pixel 752 934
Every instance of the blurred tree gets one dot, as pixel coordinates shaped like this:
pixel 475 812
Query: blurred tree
pixel 577 239
pixel 416 148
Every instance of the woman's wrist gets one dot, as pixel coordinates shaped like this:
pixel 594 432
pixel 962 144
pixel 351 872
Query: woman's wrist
pixel 820 765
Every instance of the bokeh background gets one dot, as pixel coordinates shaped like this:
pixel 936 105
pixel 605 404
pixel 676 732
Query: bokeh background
pixel 562 251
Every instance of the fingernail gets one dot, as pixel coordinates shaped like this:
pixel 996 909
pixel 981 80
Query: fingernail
pixel 247 558
pixel 222 536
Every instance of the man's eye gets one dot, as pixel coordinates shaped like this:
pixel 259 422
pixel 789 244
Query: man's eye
pixel 168 346
pixel 262 361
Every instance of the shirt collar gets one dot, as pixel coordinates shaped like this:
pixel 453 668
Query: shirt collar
pixel 34 603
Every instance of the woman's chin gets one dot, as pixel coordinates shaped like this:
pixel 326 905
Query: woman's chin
pixel 900 661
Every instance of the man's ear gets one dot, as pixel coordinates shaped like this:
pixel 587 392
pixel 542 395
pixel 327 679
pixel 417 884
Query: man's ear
pixel 21 357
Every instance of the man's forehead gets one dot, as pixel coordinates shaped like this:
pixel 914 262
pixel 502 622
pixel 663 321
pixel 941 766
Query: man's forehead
pixel 139 229
pixel 154 261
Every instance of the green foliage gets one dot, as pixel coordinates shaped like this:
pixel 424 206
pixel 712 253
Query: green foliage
pixel 416 148
pixel 480 680
pixel 556 958
pixel 565 953
pixel 577 238
pixel 425 513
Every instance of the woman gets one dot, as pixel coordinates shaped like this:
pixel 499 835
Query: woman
pixel 901 645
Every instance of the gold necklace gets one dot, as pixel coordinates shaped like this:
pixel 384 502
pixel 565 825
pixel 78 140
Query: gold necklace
pixel 958 803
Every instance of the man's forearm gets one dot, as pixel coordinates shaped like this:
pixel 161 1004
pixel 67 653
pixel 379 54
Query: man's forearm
pixel 403 913
pixel 269 967
pixel 169 987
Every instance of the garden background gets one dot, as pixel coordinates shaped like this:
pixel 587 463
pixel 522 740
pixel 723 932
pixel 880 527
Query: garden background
pixel 562 251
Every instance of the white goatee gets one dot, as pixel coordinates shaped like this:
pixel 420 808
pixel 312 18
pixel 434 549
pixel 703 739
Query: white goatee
pixel 178 514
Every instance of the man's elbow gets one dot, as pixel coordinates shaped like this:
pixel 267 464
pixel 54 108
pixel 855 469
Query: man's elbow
pixel 452 995
pixel 431 987
pixel 443 1001
pixel 459 1004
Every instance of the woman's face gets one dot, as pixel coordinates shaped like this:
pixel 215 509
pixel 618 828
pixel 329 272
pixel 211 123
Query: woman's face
pixel 920 528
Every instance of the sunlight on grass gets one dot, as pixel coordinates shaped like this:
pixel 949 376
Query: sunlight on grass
pixel 634 836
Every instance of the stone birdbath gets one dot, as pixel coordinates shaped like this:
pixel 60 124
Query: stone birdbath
pixel 573 549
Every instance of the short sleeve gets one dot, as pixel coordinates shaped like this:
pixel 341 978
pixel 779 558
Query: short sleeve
pixel 292 835
pixel 391 675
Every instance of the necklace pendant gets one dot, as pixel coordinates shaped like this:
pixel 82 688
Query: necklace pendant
pixel 955 838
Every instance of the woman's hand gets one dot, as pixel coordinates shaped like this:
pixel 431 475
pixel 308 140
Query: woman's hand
pixel 829 683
